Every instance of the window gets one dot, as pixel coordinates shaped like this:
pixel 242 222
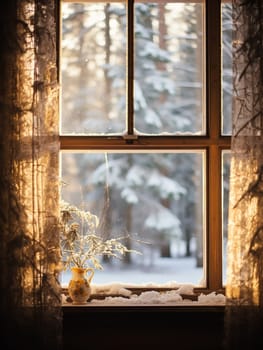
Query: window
pixel 145 126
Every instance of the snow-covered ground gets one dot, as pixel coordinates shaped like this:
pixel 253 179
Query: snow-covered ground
pixel 164 271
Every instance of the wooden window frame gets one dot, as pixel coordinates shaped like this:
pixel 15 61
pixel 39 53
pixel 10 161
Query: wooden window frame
pixel 213 142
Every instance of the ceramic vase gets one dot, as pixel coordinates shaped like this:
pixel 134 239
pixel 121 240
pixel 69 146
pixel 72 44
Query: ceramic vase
pixel 79 288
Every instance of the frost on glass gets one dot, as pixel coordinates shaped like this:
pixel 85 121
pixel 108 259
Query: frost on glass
pixel 169 67
pixel 93 68
pixel 154 199
pixel 227 84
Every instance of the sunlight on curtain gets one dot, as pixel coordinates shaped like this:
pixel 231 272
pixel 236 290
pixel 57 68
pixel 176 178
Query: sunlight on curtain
pixel 29 235
pixel 244 290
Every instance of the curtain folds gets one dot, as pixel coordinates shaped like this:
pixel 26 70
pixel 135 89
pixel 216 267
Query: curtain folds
pixel 244 290
pixel 30 304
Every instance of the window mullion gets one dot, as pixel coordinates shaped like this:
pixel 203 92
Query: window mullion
pixel 130 67
pixel 213 54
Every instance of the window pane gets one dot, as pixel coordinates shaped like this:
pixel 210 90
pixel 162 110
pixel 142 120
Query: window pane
pixel 93 68
pixel 169 67
pixel 225 192
pixel 155 198
pixel 227 84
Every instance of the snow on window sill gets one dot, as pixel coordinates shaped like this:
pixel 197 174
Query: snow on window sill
pixel 116 294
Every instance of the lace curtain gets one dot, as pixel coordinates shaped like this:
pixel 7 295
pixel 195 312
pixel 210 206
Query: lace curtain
pixel 29 252
pixel 244 290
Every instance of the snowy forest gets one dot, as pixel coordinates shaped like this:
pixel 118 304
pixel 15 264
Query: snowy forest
pixel 155 198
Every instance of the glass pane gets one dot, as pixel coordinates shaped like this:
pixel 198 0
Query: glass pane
pixel 169 67
pixel 155 200
pixel 93 68
pixel 227 85
pixel 225 193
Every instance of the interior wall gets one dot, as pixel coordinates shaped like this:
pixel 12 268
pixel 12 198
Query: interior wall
pixel 138 328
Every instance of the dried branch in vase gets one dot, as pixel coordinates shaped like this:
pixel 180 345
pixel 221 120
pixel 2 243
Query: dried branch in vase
pixel 81 244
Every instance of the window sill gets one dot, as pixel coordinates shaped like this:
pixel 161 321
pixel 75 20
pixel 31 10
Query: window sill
pixel 139 299
pixel 71 309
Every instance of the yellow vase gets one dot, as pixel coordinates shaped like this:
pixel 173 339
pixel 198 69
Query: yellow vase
pixel 79 286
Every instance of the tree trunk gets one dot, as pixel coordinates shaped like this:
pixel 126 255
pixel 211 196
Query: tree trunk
pixel 187 243
pixel 166 250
